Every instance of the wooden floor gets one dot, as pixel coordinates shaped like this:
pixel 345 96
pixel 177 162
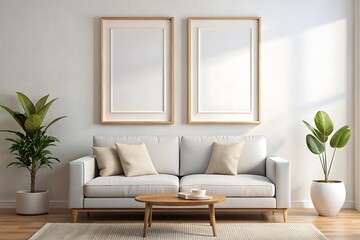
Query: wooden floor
pixel 345 226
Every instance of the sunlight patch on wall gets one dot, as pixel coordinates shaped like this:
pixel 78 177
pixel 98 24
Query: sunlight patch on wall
pixel 324 49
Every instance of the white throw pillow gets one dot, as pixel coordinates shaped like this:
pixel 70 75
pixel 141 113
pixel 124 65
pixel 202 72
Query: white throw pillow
pixel 224 158
pixel 135 160
pixel 108 161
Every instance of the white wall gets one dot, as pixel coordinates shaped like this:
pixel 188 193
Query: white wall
pixel 51 46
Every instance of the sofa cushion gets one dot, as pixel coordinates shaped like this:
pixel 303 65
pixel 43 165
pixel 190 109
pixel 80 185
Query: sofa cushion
pixel 242 185
pixel 224 158
pixel 163 150
pixel 196 153
pixel 135 160
pixel 108 161
pixel 122 186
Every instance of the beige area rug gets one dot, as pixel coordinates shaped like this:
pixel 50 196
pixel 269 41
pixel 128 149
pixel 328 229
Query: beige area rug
pixel 171 231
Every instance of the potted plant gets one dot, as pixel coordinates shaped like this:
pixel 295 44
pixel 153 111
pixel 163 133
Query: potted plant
pixel 328 196
pixel 30 147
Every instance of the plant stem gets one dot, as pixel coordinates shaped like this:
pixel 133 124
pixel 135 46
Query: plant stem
pixel 324 167
pixel 32 175
pixel 332 159
pixel 322 162
pixel 325 164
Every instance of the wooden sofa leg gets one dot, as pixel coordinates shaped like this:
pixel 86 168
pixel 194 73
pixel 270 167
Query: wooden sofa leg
pixel 74 214
pixel 285 214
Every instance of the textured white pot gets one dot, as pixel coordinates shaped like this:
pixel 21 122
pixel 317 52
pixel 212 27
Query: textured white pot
pixel 328 198
pixel 28 203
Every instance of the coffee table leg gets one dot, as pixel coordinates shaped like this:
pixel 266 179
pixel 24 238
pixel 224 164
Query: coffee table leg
pixel 212 218
pixel 150 215
pixel 148 208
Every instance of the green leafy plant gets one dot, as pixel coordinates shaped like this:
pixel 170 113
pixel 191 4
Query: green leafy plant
pixel 30 147
pixel 316 142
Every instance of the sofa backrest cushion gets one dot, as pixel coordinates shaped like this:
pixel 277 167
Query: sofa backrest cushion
pixel 196 152
pixel 163 150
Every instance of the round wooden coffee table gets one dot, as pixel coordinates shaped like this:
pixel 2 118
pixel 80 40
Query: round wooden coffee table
pixel 174 200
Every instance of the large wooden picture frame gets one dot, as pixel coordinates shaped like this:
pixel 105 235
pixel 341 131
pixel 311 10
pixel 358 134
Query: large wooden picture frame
pixel 224 70
pixel 137 70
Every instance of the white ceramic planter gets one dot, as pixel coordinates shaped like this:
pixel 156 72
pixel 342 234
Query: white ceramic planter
pixel 328 198
pixel 28 203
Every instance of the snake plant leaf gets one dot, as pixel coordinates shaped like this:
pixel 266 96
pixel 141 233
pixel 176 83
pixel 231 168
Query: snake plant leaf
pixel 41 103
pixel 324 123
pixel 27 104
pixel 11 112
pixel 54 121
pixel 316 132
pixel 44 110
pixel 19 118
pixel 341 137
pixel 33 123
pixel 314 145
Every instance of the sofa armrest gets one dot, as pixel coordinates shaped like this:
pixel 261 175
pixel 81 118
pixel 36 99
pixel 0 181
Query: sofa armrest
pixel 278 171
pixel 81 171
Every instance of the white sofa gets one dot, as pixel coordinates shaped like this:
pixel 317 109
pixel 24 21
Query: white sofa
pixel 262 182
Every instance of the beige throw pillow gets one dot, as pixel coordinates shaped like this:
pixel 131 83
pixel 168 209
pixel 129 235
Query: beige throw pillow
pixel 135 160
pixel 108 161
pixel 224 158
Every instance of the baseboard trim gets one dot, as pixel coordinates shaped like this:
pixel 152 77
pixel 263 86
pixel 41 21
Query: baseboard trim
pixel 357 206
pixel 58 204
pixel 52 204
pixel 308 204
pixel 64 204
pixel 7 204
